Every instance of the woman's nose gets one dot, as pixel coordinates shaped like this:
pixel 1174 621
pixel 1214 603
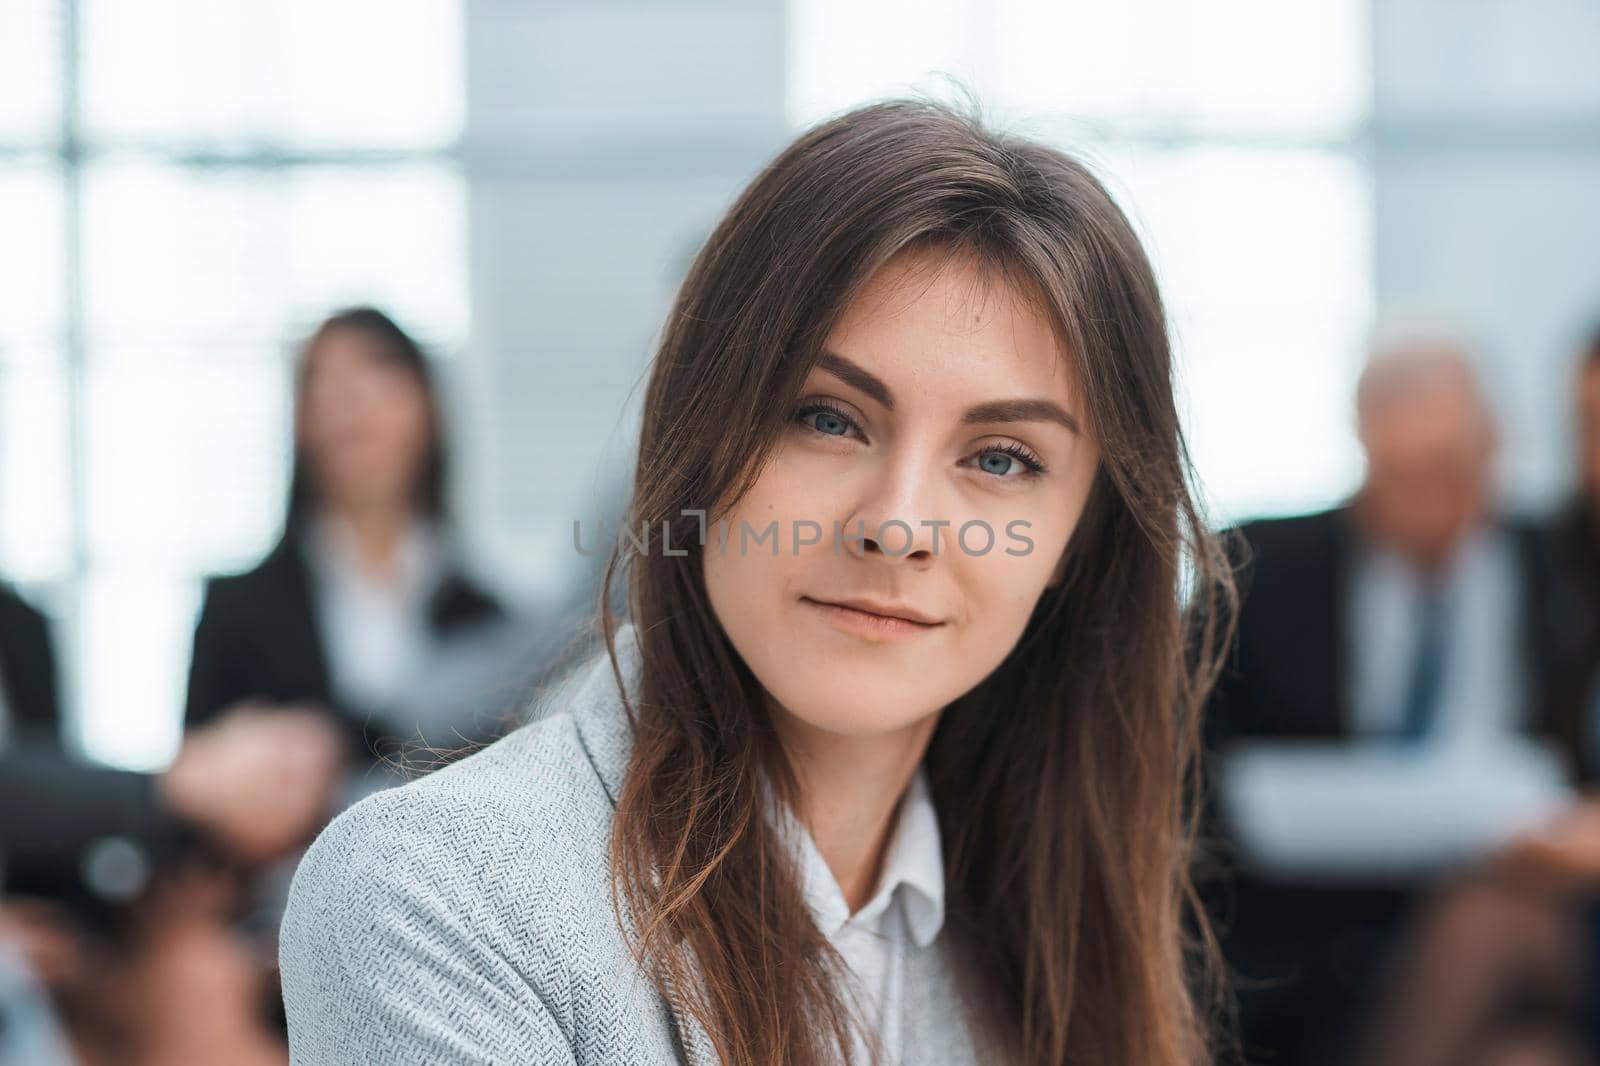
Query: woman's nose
pixel 903 514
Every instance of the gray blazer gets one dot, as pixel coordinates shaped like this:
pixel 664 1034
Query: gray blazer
pixel 466 917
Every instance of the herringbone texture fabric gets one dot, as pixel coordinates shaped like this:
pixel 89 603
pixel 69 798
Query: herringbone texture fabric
pixel 466 917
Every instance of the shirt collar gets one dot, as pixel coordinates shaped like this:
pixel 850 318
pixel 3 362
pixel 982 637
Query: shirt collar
pixel 913 868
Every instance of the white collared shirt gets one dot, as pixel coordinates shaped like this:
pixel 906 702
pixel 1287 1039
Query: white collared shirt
pixel 906 907
pixel 375 628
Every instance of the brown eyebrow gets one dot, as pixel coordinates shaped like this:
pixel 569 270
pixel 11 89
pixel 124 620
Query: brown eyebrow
pixel 993 411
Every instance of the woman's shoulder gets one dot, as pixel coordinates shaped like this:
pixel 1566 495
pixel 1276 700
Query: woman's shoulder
pixel 492 864
pixel 532 796
pixel 524 818
pixel 480 892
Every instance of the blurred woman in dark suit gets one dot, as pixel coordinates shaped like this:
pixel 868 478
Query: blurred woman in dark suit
pixel 363 609
pixel 363 614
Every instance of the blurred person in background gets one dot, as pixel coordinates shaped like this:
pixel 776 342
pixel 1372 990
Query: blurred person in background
pixel 1506 955
pixel 1408 615
pixel 364 613
pixel 116 938
pixel 114 932
pixel 364 610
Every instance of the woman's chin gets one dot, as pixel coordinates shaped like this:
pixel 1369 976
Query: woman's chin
pixel 854 713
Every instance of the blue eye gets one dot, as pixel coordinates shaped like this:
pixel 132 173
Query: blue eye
pixel 830 421
pixel 999 462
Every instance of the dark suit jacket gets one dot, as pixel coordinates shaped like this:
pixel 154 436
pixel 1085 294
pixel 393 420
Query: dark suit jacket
pixel 258 637
pixel 1573 604
pixel 1313 948
pixel 28 670
pixel 1287 675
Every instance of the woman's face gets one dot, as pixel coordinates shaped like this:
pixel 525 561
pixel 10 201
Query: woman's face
pixel 938 406
pixel 363 422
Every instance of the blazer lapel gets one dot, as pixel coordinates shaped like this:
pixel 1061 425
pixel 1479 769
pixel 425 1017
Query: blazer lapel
pixel 607 738
pixel 297 628
pixel 592 698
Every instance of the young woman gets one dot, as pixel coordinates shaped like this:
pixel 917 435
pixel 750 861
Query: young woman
pixel 890 758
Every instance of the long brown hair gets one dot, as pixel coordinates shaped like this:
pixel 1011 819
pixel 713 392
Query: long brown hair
pixel 1066 781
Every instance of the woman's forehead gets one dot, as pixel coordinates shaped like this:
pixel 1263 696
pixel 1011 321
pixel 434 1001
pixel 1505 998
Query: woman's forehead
pixel 952 329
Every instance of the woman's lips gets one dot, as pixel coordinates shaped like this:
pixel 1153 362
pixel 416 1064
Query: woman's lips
pixel 866 624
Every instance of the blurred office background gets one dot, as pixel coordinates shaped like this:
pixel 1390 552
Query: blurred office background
pixel 187 188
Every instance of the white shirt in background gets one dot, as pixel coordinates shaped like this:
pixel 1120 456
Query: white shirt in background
pixel 906 907
pixel 1481 695
pixel 433 691
pixel 374 626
